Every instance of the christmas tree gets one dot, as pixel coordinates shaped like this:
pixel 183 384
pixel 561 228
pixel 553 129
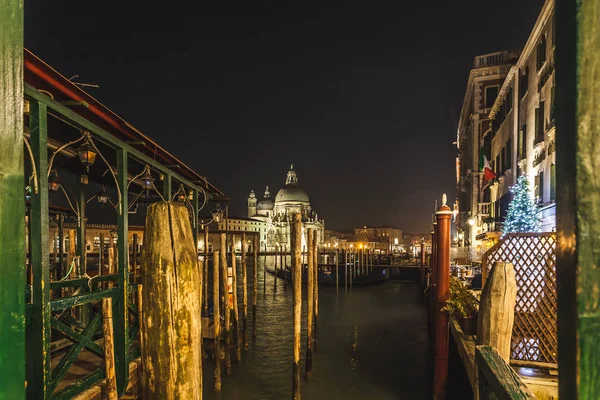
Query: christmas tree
pixel 522 210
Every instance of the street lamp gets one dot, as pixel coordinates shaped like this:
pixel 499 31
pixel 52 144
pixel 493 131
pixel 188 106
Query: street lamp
pixel 53 182
pixel 87 156
pixel 147 180
pixel 102 196
pixel 217 215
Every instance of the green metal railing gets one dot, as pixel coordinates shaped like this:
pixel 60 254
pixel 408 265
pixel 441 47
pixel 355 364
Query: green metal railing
pixel 67 308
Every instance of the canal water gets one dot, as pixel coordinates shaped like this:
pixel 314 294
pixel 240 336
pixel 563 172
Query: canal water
pixel 373 344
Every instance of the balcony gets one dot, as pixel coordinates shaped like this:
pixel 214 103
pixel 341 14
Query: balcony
pixel 484 209
pixel 493 59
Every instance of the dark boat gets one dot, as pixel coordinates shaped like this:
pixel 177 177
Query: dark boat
pixel 326 276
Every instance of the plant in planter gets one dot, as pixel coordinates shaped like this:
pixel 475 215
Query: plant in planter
pixel 463 305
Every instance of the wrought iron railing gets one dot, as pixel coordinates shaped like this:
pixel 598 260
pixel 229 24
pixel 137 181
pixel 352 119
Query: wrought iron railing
pixel 63 320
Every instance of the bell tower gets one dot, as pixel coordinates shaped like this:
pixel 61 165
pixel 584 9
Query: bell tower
pixel 252 204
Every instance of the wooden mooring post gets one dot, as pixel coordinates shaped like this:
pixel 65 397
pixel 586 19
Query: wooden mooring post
pixel 337 275
pixel 244 295
pixel 172 323
pixel 236 314
pixel 216 323
pixel 494 331
pixel 227 303
pixel 296 247
pixel 352 256
pixel 109 349
pixel 206 271
pixel 255 244
pixel 440 365
pixel 310 302
pixel 283 263
pixel 432 283
pixel 140 310
pixel 422 263
pixel 316 289
pixel 345 269
pixel 265 271
pixel 496 309
pixel 134 258
pixel 275 268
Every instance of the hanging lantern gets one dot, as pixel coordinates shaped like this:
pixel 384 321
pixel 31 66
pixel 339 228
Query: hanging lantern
pixel 191 195
pixel 217 215
pixel 53 182
pixel 181 196
pixel 147 181
pixel 102 196
pixel 87 155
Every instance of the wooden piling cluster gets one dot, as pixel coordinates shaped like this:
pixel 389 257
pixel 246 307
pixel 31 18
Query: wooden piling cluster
pixel 233 332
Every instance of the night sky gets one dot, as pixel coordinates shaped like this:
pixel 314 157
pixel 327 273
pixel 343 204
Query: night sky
pixel 362 97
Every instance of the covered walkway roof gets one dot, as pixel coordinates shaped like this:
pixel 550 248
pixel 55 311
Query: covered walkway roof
pixel 43 77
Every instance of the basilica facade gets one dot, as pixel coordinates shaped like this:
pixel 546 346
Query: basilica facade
pixel 277 214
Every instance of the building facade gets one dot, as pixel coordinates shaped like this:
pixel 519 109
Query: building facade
pixel 232 226
pixel 513 134
pixel 474 144
pixel 276 215
pixel 390 237
pixel 523 127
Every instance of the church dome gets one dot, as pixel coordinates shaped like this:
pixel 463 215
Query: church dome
pixel 266 204
pixel 291 192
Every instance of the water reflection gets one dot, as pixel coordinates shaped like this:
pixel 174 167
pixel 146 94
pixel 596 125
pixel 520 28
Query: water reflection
pixel 390 363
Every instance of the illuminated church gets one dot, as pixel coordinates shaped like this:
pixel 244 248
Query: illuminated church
pixel 277 214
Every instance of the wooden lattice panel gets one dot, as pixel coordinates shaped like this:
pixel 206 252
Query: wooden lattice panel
pixel 534 337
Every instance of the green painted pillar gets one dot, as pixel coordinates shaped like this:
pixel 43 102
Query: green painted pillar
pixel 195 217
pixel 578 200
pixel 84 310
pixel 61 244
pixel 81 245
pixel 120 312
pixel 38 334
pixel 12 203
pixel 167 192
